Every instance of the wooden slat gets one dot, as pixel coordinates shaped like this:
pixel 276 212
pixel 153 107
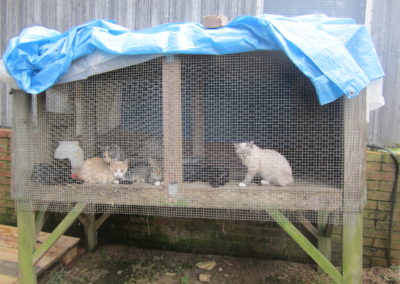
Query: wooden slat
pixel 172 120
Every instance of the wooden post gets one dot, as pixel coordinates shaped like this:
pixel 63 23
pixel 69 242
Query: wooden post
pixel 85 111
pixel 26 244
pixel 354 188
pixel 90 231
pixel 324 240
pixel 198 120
pixel 91 225
pixel 172 120
pixel 352 250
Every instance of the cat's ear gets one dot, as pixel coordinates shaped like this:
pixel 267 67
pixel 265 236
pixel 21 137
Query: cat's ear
pixel 250 144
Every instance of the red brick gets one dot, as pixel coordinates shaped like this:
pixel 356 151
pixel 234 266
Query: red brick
pixel 5 157
pixel 5 173
pixel 373 184
pixel 5 188
pixel 373 156
pixel 5 180
pixel 4 132
pixel 374 252
pixel 373 166
pixel 374 175
pixel 386 186
pixel 380 243
pixel 4 148
pixel 367 242
pixel 378 195
pixel 378 261
pixel 387 167
pixel 371 204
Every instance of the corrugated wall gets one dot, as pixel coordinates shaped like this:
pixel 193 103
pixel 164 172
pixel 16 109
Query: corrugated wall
pixel 384 128
pixel 133 14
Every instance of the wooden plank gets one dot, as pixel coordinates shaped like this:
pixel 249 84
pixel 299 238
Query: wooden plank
pixel 9 253
pixel 300 196
pixel 306 245
pixel 307 224
pixel 172 120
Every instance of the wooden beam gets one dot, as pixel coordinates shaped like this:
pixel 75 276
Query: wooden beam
pixel 102 219
pixel 306 245
pixel 324 241
pixel 58 232
pixel 26 245
pixel 172 120
pixel 307 224
pixel 41 218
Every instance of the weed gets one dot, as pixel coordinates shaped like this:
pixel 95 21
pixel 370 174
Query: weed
pixel 57 278
pixel 185 279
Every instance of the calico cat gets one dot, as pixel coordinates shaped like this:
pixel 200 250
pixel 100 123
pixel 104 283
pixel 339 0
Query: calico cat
pixel 271 165
pixel 109 169
pixel 150 172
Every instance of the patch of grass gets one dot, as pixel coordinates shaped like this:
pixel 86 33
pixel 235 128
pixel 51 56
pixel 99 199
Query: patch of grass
pixel 185 279
pixel 57 277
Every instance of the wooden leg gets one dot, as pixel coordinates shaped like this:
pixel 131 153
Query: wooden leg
pixel 352 248
pixel 26 246
pixel 90 232
pixel 324 240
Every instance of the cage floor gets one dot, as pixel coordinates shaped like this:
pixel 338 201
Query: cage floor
pixel 299 196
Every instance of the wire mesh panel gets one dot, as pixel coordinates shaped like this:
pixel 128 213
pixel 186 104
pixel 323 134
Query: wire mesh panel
pixel 223 137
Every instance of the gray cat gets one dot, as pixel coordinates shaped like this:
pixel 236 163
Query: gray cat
pixel 271 165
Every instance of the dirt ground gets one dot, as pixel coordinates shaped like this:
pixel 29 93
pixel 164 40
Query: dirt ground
pixel 116 264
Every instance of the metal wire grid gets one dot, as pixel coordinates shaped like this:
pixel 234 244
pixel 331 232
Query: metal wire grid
pixel 209 102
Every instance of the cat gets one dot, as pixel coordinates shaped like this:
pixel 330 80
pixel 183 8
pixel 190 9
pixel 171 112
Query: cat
pixel 216 176
pixel 111 168
pixel 271 165
pixel 57 172
pixel 150 172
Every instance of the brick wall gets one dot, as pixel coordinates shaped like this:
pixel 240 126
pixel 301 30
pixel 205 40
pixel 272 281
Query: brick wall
pixel 234 237
pixel 7 213
pixel 380 176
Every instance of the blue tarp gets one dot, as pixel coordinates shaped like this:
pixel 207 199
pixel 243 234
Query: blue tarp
pixel 336 54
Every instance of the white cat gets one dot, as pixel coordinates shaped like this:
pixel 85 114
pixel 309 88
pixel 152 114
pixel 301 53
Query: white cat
pixel 271 165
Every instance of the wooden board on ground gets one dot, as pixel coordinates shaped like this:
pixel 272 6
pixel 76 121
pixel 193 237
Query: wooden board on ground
pixel 9 253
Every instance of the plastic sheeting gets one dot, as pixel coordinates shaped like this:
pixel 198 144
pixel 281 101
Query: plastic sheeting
pixel 336 54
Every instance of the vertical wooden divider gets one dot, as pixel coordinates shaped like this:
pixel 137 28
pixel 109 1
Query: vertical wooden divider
pixel 172 120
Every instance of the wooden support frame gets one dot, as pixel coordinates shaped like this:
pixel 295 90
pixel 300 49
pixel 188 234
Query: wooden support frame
pixel 306 245
pixel 172 120
pixel 91 225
